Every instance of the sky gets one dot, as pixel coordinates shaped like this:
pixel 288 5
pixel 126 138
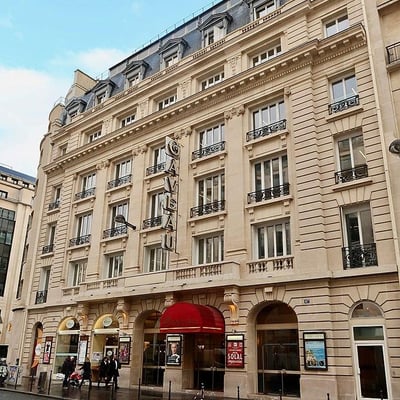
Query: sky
pixel 42 43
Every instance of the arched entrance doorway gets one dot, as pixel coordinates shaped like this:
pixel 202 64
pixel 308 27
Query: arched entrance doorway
pixel 370 352
pixel 67 342
pixel 198 331
pixel 153 351
pixel 37 348
pixel 278 360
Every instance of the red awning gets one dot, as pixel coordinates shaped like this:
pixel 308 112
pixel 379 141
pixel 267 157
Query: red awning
pixel 191 318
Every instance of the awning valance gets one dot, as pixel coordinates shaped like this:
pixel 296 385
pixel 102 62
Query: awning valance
pixel 191 318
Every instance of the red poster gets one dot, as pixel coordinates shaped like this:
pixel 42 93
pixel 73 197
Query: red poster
pixel 234 354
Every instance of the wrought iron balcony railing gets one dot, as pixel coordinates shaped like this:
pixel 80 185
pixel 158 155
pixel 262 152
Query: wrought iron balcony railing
pixel 119 182
pixel 155 168
pixel 54 205
pixel 79 240
pixel 266 130
pixel 344 104
pixel 116 231
pixel 357 256
pixel 208 208
pixel 48 249
pixel 268 194
pixel 348 175
pixel 151 222
pixel 206 151
pixel 393 52
pixel 85 193
pixel 41 297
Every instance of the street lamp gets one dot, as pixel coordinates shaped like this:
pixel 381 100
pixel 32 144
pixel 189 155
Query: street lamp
pixel 121 220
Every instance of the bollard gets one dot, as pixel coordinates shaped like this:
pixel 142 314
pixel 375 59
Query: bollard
pixel 169 390
pixel 238 393
pixel 327 396
pixel 139 389
pixel 48 389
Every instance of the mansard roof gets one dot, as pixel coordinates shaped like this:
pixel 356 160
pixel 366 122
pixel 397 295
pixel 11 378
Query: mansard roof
pixel 214 19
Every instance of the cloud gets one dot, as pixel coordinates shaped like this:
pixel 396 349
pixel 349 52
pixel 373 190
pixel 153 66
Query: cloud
pixel 28 98
pixel 93 62
pixel 6 22
pixel 136 7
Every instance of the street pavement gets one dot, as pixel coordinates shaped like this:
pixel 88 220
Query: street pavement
pixel 24 392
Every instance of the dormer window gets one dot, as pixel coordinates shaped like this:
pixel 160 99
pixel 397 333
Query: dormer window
pixel 215 28
pixel 171 52
pixel 261 8
pixel 74 107
pixel 102 91
pixel 135 72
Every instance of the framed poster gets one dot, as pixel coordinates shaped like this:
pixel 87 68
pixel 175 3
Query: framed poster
pixel 82 349
pixel 47 350
pixel 174 347
pixel 315 357
pixel 124 349
pixel 235 351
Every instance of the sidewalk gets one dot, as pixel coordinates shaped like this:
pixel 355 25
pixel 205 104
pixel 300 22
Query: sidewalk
pixel 96 393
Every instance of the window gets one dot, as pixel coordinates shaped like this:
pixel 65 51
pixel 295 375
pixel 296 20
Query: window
pixel 3 194
pixel 134 80
pixel 270 179
pixel 94 136
pixel 358 234
pixel 135 72
pixel 273 240
pixel 51 234
pixel 157 259
pixel 172 51
pixel 130 119
pixel 56 198
pixel 168 101
pixel 41 294
pixel 210 249
pixel 211 189
pixel 77 273
pixel 115 266
pixel 334 26
pixel 158 162
pixel 262 8
pixel 211 140
pixel 123 174
pixel 344 94
pixel 213 80
pixel 88 186
pixel 101 97
pixel 266 55
pixel 84 225
pixel 63 149
pixel 155 211
pixel 213 34
pixel 215 28
pixel 352 162
pixel 269 114
pixel 344 88
pixel 120 209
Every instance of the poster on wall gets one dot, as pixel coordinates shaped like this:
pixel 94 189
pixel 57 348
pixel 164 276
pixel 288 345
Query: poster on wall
pixel 47 350
pixel 235 351
pixel 315 351
pixel 174 348
pixel 124 349
pixel 82 349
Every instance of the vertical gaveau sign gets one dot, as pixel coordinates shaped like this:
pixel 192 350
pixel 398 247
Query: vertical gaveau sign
pixel 235 351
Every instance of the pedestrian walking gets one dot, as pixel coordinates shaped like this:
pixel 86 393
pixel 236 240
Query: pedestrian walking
pixel 86 372
pixel 115 366
pixel 104 371
pixel 67 368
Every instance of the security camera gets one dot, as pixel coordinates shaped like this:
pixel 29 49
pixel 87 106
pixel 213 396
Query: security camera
pixel 395 147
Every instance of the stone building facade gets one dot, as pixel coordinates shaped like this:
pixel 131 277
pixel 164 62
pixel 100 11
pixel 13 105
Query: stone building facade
pixel 227 191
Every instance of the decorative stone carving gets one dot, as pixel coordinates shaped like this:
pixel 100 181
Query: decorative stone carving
pixel 82 312
pixel 122 312
pixel 231 297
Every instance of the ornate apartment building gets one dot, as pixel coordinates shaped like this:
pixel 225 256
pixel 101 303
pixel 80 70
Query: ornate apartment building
pixel 16 198
pixel 223 208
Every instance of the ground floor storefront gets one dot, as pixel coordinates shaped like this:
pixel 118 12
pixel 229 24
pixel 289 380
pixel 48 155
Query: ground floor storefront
pixel 327 338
